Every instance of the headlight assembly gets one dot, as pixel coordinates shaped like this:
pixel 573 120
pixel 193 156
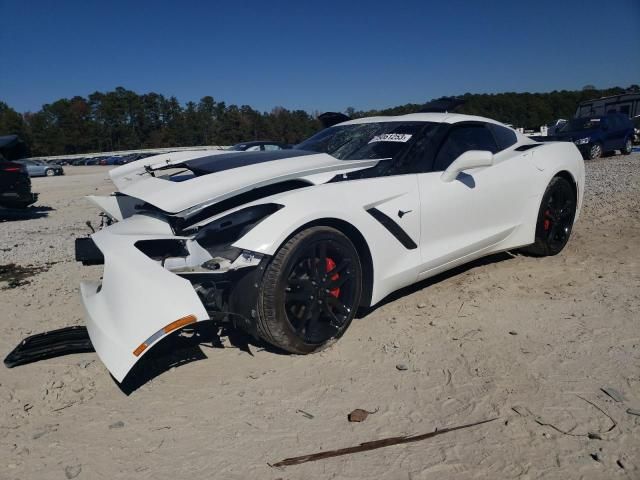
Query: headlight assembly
pixel 582 141
pixel 226 230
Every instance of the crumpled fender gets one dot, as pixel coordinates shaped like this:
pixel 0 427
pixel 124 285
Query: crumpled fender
pixel 136 299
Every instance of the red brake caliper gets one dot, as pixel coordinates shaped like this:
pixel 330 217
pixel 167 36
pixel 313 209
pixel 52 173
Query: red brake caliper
pixel 330 266
pixel 547 223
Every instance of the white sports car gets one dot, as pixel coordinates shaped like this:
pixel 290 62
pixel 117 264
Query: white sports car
pixel 288 244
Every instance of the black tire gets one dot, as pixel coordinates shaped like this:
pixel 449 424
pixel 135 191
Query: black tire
pixel 628 147
pixel 555 219
pixel 595 151
pixel 310 291
pixel 49 172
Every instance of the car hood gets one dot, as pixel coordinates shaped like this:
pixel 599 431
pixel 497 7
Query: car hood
pixel 210 177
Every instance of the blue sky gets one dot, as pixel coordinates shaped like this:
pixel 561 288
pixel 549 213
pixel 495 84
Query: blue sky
pixel 326 55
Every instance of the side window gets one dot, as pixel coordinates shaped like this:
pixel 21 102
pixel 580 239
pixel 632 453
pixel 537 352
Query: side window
pixel 461 139
pixel 505 137
pixel 253 148
pixel 269 146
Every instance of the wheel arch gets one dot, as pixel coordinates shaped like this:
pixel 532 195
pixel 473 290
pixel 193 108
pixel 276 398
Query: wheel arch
pixel 569 178
pixel 358 240
pixel 576 185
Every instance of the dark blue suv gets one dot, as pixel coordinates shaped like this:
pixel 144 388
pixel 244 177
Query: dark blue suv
pixel 596 136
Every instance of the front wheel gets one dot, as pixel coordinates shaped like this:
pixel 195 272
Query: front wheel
pixel 628 147
pixel 595 151
pixel 555 219
pixel 49 172
pixel 310 291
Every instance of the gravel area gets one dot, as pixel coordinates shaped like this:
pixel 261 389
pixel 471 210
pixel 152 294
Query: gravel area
pixel 530 341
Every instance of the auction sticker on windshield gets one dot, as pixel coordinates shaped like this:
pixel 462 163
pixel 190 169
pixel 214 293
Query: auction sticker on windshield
pixel 391 137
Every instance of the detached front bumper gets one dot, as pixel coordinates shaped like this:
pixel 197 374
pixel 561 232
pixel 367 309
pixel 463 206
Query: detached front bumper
pixel 138 301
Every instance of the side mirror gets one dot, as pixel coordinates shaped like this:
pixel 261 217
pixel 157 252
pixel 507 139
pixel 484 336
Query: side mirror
pixel 469 159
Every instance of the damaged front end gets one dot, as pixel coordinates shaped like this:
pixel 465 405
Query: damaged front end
pixel 159 277
pixel 170 255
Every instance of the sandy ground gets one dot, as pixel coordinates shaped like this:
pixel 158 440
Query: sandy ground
pixel 529 341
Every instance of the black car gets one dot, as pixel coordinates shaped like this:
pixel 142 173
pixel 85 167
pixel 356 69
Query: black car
pixel 596 136
pixel 15 186
pixel 258 146
pixel 132 158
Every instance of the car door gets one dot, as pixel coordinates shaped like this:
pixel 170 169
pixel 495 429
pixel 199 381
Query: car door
pixel 619 133
pixel 608 129
pixel 39 169
pixel 464 218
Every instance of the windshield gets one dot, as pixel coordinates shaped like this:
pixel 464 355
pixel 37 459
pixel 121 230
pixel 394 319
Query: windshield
pixel 365 140
pixel 238 147
pixel 578 124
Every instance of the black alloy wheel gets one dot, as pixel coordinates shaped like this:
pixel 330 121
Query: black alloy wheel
pixel 311 291
pixel 555 218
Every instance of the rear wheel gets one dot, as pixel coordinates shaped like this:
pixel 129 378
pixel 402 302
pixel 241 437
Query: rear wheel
pixel 555 219
pixel 628 147
pixel 49 172
pixel 310 291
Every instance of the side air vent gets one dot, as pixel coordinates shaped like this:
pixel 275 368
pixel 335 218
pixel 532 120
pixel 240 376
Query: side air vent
pixel 393 228
pixel 528 146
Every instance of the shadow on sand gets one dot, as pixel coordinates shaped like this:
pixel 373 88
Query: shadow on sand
pixel 403 292
pixel 186 346
pixel 29 213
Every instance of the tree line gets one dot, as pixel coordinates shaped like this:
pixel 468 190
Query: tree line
pixel 122 119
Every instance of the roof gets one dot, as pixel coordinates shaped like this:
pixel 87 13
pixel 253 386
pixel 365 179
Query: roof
pixel 435 118
pixel 423 117
pixel 631 96
pixel 259 142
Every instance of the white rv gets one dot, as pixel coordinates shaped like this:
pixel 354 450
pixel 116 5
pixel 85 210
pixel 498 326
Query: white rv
pixel 626 103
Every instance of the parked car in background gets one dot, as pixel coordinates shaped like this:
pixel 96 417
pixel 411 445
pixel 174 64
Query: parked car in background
pixel 61 162
pixel 15 185
pixel 113 160
pixel 39 168
pixel 258 146
pixel 553 127
pixel 596 136
pixel 133 157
